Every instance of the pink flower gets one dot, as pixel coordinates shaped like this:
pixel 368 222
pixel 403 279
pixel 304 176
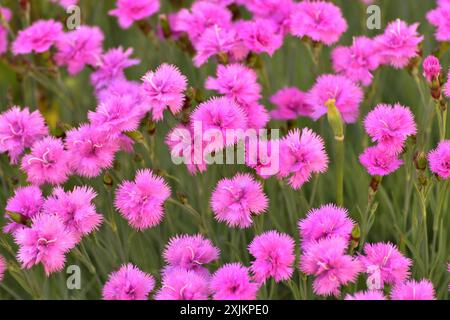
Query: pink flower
pixel 260 35
pixel 3 266
pixel 431 68
pixel 399 44
pixel 390 126
pixel 274 256
pixel 75 209
pixel 319 20
pixel 263 156
pixel 387 261
pixel 257 115
pixel 326 259
pixel 235 200
pixel 78 48
pixel 357 61
pixel 90 150
pixel 119 88
pixel 128 11
pixel 190 253
pixel 439 18
pixel 413 290
pixel 302 153
pixel 324 222
pixel 38 37
pixel 27 202
pixel 348 96
pixel 128 283
pixel 379 162
pixel 111 66
pixel 279 11
pixel 47 162
pixel 19 129
pixel 65 3
pixel 237 82
pixel 290 103
pixel 6 15
pixel 181 284
pixel 164 88
pixel 439 159
pixel 46 242
pixel 366 295
pixel 232 282
pixel 141 201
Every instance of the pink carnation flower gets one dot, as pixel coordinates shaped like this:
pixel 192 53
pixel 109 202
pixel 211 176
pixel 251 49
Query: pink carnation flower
pixel 439 159
pixel 3 266
pixel 326 259
pixel 302 153
pixel 190 253
pixel 290 103
pixel 279 11
pixel 319 20
pixel 232 282
pixel 19 129
pixel 399 44
pixel 164 88
pixel 263 156
pixel 260 35
pixel 235 200
pixel 385 259
pixel 390 126
pixel 324 222
pixel 47 162
pixel 141 202
pixel 6 15
pixel 439 18
pixel 181 284
pixel 46 242
pixel 379 162
pixel 357 61
pixel 348 97
pixel 366 295
pixel 90 150
pixel 128 11
pixel 128 283
pixel 38 37
pixel 79 48
pixel 431 68
pixel 257 115
pixel 237 82
pixel 274 254
pixel 414 290
pixel 75 209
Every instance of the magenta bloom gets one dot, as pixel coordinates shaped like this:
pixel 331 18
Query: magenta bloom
pixel 413 290
pixel 128 11
pixel 439 159
pixel 326 259
pixel 6 15
pixel 65 3
pixel 3 266
pixel 302 153
pixel 19 129
pixel 141 201
pixel 257 115
pixel 90 150
pixel 181 284
pixel 190 253
pixel 235 200
pixel 232 282
pixel 357 61
pixel 324 222
pixel 348 96
pixel 379 162
pixel 128 283
pixel 279 11
pixel 47 162
pixel 390 126
pixel 290 103
pixel 439 18
pixel 260 35
pixel 46 242
pixel 366 295
pixel 75 209
pixel 111 66
pixel 38 37
pixel 319 20
pixel 431 68
pixel 27 201
pixel 237 82
pixel 79 48
pixel 387 261
pixel 399 44
pixel 274 254
pixel 263 156
pixel 164 88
